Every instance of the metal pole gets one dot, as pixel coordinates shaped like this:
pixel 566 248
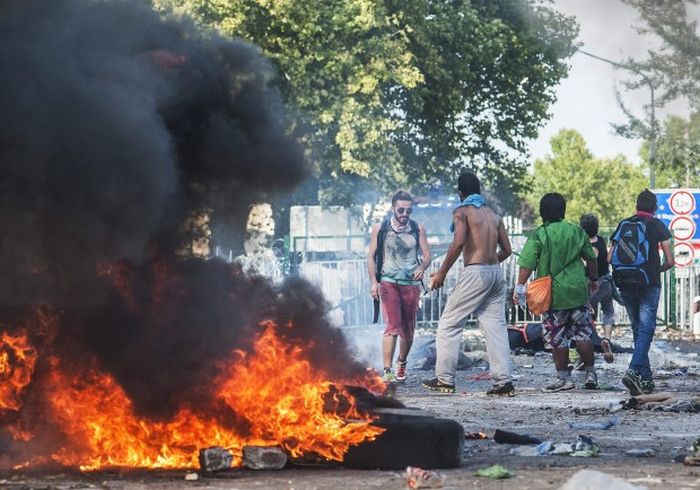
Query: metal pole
pixel 652 132
pixel 652 143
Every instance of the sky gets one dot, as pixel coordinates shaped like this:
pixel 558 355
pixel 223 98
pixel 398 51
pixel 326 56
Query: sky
pixel 586 99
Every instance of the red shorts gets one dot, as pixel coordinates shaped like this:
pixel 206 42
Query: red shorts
pixel 399 306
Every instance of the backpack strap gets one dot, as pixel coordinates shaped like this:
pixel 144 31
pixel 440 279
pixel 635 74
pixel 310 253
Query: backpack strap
pixel 415 231
pixel 379 253
pixel 549 265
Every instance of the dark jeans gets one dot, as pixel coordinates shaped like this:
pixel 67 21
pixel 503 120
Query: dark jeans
pixel 641 305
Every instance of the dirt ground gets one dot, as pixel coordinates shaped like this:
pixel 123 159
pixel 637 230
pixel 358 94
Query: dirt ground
pixel 546 416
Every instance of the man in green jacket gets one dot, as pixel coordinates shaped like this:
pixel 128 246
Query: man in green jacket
pixel 556 249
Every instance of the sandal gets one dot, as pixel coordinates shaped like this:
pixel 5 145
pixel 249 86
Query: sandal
pixel 607 350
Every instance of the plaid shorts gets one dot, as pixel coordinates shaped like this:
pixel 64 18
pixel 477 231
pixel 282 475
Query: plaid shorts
pixel 563 326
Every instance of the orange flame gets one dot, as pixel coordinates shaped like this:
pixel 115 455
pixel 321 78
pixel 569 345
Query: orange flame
pixel 17 361
pixel 274 396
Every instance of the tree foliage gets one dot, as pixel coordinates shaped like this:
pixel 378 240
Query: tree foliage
pixel 607 187
pixel 677 64
pixel 678 153
pixel 401 93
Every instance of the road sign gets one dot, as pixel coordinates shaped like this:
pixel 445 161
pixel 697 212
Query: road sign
pixel 681 202
pixel 678 209
pixel 684 253
pixel 682 228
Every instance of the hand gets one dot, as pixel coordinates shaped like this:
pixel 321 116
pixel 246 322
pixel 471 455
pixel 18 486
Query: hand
pixel 437 280
pixel 418 274
pixel 519 297
pixel 374 291
pixel 592 287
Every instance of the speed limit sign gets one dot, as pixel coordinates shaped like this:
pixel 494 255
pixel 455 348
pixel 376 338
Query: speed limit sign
pixel 682 202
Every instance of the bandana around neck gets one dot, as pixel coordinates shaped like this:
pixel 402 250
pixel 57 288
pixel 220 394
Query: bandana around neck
pixel 398 227
pixel 475 200
pixel 644 214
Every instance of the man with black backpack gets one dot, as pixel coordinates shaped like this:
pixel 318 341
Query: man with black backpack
pixel 637 268
pixel 396 273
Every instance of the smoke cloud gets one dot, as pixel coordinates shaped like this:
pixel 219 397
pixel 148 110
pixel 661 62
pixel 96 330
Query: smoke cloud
pixel 114 124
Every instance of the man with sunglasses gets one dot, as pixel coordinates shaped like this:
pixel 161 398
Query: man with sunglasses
pixel 396 273
pixel 481 239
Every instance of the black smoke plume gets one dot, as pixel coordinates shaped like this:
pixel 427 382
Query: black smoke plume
pixel 114 124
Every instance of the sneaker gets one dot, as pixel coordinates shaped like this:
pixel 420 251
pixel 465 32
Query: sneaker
pixel 435 385
pixel 506 389
pixel 559 385
pixel 647 386
pixel 401 371
pixel 607 350
pixel 388 376
pixel 591 382
pixel 633 383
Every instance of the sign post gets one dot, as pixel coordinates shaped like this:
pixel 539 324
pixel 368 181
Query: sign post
pixel 678 209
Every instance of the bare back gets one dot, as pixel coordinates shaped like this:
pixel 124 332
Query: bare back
pixel 484 234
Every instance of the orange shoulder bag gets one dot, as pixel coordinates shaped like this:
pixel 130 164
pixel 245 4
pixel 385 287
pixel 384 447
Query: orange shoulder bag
pixel 539 291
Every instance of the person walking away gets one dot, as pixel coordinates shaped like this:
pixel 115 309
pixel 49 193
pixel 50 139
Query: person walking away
pixel 604 295
pixel 481 238
pixel 396 274
pixel 556 249
pixel 637 268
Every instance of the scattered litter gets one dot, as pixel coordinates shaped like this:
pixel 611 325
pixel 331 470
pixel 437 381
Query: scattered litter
pixel 192 476
pixel 683 406
pixel 544 448
pixel 528 366
pixel 594 480
pixel 603 425
pixel 495 472
pixel 646 479
pixel 693 459
pixel 420 478
pixel 679 458
pixel 525 451
pixel 641 453
pixel 663 402
pixel 562 449
pixel 615 407
pixel 215 458
pixel 505 437
pixel 264 457
pixel 584 448
pixel 482 376
pixel 671 361
pixel 471 436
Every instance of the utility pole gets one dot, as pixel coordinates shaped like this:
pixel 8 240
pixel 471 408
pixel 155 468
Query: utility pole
pixel 652 132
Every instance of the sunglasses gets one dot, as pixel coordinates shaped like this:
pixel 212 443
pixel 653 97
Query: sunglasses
pixel 404 210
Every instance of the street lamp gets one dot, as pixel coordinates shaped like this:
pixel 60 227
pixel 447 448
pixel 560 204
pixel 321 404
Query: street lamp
pixel 652 134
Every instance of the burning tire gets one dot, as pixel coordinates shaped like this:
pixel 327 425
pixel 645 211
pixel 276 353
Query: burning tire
pixel 412 438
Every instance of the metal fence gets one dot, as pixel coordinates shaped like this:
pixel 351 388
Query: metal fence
pixel 687 297
pixel 346 285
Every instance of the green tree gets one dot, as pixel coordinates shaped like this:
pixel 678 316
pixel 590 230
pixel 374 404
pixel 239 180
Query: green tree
pixel 678 153
pixel 607 187
pixel 401 93
pixel 677 64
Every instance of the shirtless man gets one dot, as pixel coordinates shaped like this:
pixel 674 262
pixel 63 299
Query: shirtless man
pixel 481 238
